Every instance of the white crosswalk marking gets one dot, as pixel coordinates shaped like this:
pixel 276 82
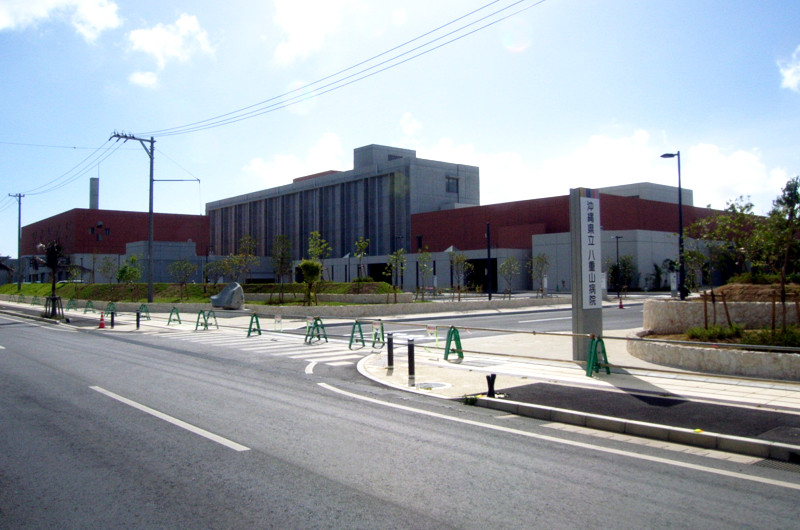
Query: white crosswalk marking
pixel 273 344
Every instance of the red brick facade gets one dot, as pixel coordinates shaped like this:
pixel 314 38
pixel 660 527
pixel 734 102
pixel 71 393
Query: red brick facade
pixel 513 223
pixel 86 231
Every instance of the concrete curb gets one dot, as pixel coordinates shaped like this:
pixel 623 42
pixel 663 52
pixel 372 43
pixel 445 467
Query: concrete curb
pixel 707 440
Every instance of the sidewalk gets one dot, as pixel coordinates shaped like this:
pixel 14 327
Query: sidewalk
pixel 536 377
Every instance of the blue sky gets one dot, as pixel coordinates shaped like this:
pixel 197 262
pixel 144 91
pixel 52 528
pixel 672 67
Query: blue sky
pixel 562 94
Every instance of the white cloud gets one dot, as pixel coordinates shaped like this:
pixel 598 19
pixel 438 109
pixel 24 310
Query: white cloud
pixel 790 71
pixel 144 79
pixel 718 176
pixel 715 175
pixel 399 16
pixel 89 17
pixel 306 33
pixel 178 41
pixel 410 125
pixel 326 154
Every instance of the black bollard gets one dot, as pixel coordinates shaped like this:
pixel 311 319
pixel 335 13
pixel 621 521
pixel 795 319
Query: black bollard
pixel 490 379
pixel 390 349
pixel 112 319
pixel 411 358
pixel 138 318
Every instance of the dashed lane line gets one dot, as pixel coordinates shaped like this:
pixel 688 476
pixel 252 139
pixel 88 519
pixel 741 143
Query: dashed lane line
pixel 175 421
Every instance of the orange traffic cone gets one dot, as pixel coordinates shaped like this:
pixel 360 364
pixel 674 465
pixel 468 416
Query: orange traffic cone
pixel 620 303
pixel 102 321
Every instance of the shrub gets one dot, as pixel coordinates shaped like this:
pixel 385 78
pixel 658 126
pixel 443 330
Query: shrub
pixel 716 333
pixel 766 337
pixel 755 278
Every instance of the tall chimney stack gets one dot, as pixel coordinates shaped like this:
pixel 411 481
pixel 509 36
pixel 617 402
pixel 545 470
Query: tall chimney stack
pixel 94 193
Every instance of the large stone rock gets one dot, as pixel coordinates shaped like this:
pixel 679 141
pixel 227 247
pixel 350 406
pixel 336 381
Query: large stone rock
pixel 231 297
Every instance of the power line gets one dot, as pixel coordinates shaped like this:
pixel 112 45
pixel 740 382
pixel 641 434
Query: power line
pixel 300 94
pixel 304 87
pixel 80 169
pixel 304 93
pixel 48 146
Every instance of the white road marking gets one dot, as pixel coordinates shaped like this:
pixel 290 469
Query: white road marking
pixel 310 367
pixel 182 424
pixel 582 445
pixel 543 320
pixel 327 358
pixel 340 363
pixel 323 355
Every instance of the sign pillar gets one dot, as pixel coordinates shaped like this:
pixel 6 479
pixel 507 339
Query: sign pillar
pixel 586 274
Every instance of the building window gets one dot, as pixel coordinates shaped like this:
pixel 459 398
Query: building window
pixel 108 231
pixel 91 231
pixel 452 185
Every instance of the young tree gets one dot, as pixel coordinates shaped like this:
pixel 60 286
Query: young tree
pixel 238 265
pixel 311 272
pixel 318 249
pixel 730 234
pixel 108 268
pixel 361 250
pixel 129 273
pixel 537 267
pixel 623 277
pixel 509 269
pixel 395 268
pixel 425 262
pixel 246 257
pixel 695 262
pixel 181 271
pixel 785 220
pixel 281 260
pixel 213 271
pixel 461 270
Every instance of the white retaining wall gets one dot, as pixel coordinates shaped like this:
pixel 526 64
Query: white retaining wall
pixel 675 316
pixel 764 365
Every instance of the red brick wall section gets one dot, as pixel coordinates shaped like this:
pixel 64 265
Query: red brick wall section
pixel 513 223
pixel 79 231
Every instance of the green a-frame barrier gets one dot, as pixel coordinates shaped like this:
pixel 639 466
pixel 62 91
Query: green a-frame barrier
pixel 257 328
pixel 378 337
pixel 593 362
pixel 315 330
pixel 455 338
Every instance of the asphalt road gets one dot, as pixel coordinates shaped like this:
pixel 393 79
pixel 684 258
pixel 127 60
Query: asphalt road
pixel 159 430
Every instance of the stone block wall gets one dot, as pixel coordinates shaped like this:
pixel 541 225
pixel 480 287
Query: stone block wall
pixel 675 316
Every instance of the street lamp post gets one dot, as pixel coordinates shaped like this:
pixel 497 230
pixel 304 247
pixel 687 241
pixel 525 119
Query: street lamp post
pixel 619 272
pixel 681 265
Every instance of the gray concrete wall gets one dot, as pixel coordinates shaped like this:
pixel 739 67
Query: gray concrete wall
pixel 648 248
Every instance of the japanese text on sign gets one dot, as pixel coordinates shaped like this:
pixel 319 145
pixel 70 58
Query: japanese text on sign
pixel 590 253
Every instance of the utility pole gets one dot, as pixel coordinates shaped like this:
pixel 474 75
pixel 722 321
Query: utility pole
pixel 19 197
pixel 151 154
